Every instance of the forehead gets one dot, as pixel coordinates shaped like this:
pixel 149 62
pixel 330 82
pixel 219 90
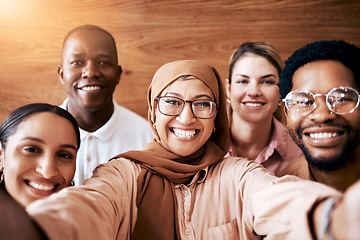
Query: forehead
pixel 46 125
pixel 322 76
pixel 253 63
pixel 188 88
pixel 88 41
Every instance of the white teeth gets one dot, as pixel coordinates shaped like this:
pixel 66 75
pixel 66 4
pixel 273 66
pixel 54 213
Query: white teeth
pixel 253 104
pixel 41 187
pixel 91 88
pixel 184 134
pixel 323 135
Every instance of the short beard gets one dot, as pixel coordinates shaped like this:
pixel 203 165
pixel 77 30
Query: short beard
pixel 334 162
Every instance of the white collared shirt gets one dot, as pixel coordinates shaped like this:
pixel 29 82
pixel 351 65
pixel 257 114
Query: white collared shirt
pixel 124 131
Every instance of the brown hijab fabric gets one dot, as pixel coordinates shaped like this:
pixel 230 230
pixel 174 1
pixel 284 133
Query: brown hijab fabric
pixel 161 169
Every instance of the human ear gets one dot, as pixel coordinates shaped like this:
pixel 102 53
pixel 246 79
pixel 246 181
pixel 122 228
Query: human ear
pixel 2 156
pixel 60 73
pixel 228 85
pixel 285 111
pixel 119 73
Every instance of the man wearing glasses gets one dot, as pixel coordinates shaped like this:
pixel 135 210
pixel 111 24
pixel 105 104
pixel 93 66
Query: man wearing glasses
pixel 320 88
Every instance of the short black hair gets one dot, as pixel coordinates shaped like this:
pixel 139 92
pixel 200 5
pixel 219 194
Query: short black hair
pixel 89 27
pixel 337 50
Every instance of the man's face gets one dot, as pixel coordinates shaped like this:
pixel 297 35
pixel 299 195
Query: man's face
pixel 89 70
pixel 326 138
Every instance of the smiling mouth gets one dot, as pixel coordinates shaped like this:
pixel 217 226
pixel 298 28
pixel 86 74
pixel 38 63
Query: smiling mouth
pixel 41 187
pixel 253 104
pixel 323 135
pixel 91 88
pixel 184 134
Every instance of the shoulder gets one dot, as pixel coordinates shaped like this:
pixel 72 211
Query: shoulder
pixel 129 115
pixel 238 168
pixel 117 170
pixel 298 168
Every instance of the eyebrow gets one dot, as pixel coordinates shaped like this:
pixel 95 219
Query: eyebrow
pixel 180 96
pixel 98 55
pixel 265 76
pixel 41 141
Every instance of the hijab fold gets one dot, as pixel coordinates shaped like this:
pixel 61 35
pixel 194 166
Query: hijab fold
pixel 161 169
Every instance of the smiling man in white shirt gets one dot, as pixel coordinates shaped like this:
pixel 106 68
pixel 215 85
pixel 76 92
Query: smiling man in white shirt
pixel 90 73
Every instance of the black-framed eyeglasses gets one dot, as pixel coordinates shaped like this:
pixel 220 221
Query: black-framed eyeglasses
pixel 340 100
pixel 172 106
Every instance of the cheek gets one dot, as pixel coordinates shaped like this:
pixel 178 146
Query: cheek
pixel 67 170
pixel 161 124
pixel 236 92
pixel 208 127
pixel 293 120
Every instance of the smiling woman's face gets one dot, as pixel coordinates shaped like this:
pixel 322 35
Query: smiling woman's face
pixel 185 134
pixel 40 157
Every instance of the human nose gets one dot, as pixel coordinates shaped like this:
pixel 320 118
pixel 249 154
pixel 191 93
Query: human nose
pixel 186 116
pixel 321 113
pixel 90 70
pixel 253 89
pixel 47 167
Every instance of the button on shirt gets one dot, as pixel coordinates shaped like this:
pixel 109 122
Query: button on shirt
pixel 124 131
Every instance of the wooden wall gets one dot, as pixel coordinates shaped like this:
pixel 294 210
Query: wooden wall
pixel 150 33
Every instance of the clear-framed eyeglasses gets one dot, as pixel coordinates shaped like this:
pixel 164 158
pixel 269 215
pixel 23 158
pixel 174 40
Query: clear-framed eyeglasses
pixel 172 106
pixel 340 100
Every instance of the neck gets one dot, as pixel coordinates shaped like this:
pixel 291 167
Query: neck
pixel 93 119
pixel 340 179
pixel 248 138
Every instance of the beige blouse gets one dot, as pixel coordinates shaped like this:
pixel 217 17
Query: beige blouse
pixel 230 200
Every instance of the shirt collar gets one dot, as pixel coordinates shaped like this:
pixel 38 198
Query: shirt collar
pixel 105 132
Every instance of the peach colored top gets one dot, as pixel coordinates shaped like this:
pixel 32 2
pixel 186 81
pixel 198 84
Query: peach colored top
pixel 229 200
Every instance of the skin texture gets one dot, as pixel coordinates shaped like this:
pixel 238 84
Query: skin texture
pixel 334 157
pixel 254 82
pixel 40 157
pixel 89 73
pixel 254 97
pixel 192 89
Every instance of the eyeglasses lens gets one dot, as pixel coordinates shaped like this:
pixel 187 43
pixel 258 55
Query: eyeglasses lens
pixel 342 100
pixel 173 106
pixel 338 100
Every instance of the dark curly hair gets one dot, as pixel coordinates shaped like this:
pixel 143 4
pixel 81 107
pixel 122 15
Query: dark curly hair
pixel 337 50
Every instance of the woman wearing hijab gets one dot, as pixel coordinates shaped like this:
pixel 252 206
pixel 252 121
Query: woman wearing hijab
pixel 179 186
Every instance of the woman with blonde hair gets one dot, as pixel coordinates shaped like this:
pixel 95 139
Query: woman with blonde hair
pixel 254 108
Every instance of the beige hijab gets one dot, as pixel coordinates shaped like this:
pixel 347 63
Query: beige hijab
pixel 161 169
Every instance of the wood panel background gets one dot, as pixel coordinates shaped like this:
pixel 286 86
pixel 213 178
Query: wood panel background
pixel 150 33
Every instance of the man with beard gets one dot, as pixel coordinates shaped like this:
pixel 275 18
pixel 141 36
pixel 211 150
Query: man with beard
pixel 320 88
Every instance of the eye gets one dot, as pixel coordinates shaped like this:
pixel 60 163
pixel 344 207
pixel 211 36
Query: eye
pixel 268 82
pixel 76 63
pixel 202 104
pixel 104 63
pixel 172 101
pixel 31 149
pixel 242 81
pixel 65 156
pixel 304 102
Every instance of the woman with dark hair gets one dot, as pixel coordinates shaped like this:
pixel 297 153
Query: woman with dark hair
pixel 254 108
pixel 38 151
